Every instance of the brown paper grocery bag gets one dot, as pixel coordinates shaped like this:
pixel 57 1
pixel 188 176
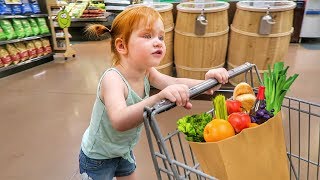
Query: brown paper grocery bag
pixel 255 153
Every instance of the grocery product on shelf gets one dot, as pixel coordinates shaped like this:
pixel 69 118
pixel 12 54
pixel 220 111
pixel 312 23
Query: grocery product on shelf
pixel 94 10
pixel 16 9
pixel 31 49
pixel 26 7
pixel 5 9
pixel 5 56
pixel 27 27
pixel 39 48
pixel 21 27
pixel 35 6
pixel 46 46
pixel 34 26
pixel 69 7
pixel 14 53
pixel 2 35
pixel 42 25
pixel 77 9
pixel 23 52
pixel 8 29
pixel 18 28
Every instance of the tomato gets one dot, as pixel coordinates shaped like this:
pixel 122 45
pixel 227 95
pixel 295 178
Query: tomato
pixel 217 129
pixel 233 106
pixel 239 121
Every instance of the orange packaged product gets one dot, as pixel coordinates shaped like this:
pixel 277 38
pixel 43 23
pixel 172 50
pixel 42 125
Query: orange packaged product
pixel 22 50
pixel 1 64
pixel 31 49
pixel 46 46
pixel 39 48
pixel 5 57
pixel 14 53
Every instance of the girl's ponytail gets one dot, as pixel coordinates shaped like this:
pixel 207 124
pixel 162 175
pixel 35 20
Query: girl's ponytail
pixel 96 30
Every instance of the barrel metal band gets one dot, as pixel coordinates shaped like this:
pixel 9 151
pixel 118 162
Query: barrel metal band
pixel 259 35
pixel 164 65
pixel 198 69
pixel 205 35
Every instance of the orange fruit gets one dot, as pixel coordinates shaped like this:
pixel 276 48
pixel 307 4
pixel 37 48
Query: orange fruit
pixel 253 125
pixel 217 129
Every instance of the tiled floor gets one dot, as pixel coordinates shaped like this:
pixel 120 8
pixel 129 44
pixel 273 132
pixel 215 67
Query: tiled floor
pixel 45 110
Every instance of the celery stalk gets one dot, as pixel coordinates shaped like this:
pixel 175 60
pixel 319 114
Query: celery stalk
pixel 220 107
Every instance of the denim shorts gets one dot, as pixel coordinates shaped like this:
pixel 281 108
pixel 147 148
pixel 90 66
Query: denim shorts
pixel 104 169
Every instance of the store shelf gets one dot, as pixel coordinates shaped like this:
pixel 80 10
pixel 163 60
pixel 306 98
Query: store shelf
pixel 115 8
pixel 24 39
pixel 63 37
pixel 95 19
pixel 11 69
pixel 83 22
pixel 92 19
pixel 22 16
pixel 117 2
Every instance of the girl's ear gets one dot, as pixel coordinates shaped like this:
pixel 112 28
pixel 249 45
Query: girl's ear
pixel 121 46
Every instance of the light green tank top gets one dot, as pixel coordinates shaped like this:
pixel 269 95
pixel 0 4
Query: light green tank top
pixel 101 140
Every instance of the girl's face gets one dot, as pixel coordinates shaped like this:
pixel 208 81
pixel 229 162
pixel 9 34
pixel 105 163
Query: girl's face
pixel 146 46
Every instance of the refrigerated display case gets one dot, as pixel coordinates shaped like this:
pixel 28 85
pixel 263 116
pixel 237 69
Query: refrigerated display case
pixel 311 20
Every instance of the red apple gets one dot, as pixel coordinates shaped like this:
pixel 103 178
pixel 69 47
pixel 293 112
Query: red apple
pixel 239 121
pixel 233 106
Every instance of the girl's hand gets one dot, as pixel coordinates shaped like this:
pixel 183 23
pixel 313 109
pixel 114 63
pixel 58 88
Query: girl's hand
pixel 178 93
pixel 220 74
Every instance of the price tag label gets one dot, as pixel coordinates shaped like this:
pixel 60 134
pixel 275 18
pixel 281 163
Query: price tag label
pixel 64 20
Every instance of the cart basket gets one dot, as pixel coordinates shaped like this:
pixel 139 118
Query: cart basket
pixel 173 158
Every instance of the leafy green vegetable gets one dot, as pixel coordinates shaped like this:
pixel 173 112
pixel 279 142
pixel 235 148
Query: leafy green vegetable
pixel 277 85
pixel 193 126
pixel 220 107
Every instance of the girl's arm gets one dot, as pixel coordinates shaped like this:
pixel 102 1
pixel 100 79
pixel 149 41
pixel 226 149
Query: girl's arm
pixel 123 117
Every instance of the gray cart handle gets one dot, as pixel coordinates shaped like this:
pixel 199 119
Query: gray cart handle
pixel 165 104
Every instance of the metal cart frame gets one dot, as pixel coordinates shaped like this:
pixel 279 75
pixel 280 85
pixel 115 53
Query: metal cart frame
pixel 181 164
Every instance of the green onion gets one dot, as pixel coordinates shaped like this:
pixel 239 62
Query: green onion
pixel 277 85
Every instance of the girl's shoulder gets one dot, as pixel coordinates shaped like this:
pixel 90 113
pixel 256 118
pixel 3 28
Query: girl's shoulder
pixel 112 75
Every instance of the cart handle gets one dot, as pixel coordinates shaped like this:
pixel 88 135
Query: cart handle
pixel 165 104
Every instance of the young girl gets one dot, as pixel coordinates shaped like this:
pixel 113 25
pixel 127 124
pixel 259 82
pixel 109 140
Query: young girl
pixel 137 42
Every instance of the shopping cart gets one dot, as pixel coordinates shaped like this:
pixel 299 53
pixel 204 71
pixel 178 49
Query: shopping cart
pixel 173 158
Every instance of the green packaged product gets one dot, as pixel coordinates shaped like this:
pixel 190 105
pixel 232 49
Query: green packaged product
pixel 42 25
pixel 2 35
pixel 27 27
pixel 8 29
pixel 18 28
pixel 34 26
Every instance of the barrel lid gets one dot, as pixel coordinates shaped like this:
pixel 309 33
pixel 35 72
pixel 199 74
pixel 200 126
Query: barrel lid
pixel 262 6
pixel 193 7
pixel 160 7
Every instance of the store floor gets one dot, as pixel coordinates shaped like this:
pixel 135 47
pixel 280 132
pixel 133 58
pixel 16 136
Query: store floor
pixel 45 110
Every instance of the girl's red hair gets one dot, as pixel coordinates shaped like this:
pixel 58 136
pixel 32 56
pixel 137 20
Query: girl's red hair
pixel 124 24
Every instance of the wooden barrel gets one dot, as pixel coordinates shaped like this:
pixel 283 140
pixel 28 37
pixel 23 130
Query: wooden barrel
pixel 247 45
pixel 165 10
pixel 195 54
